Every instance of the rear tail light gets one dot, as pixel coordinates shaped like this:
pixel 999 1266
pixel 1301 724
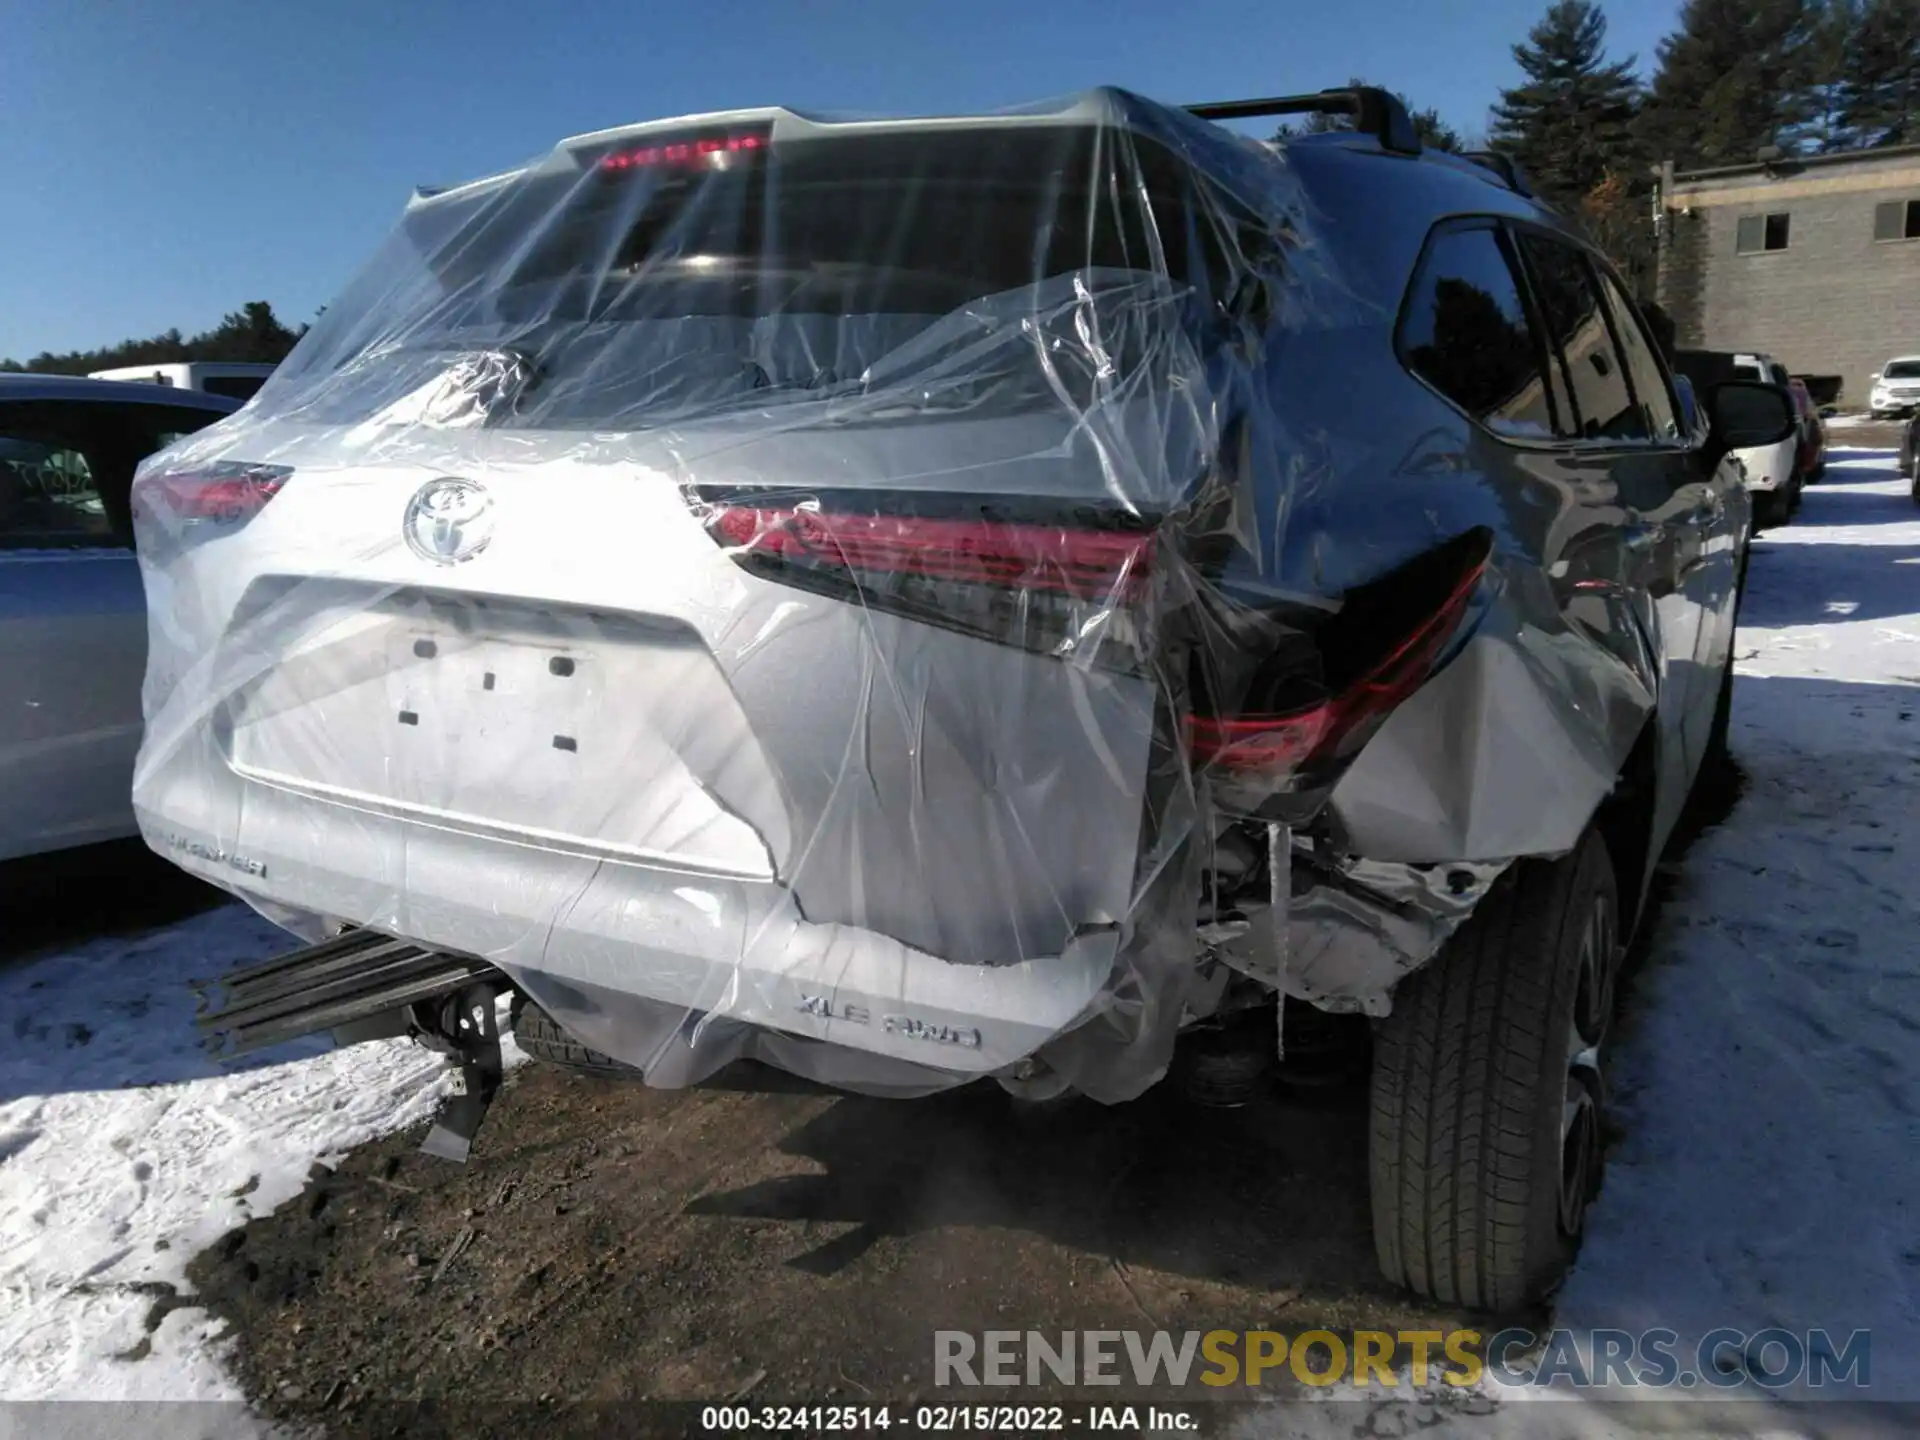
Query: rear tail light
pixel 1049 586
pixel 227 494
pixel 1382 647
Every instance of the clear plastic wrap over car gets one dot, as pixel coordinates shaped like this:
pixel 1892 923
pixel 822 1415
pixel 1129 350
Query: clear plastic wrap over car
pixel 832 592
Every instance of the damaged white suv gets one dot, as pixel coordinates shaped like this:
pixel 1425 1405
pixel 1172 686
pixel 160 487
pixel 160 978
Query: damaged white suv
pixel 921 601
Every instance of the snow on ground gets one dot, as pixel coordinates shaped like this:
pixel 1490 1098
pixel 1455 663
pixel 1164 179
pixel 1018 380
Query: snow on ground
pixel 124 1151
pixel 1769 1076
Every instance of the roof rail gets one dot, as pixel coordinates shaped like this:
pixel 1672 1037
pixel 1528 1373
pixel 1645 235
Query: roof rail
pixel 1505 166
pixel 1376 112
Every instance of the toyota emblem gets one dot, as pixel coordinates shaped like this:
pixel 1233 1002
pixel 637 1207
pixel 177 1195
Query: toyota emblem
pixel 449 521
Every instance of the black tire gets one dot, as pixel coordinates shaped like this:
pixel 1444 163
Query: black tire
pixel 1716 763
pixel 1718 756
pixel 540 1035
pixel 1485 1135
pixel 1771 508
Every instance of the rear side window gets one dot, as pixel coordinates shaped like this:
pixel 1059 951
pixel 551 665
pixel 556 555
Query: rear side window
pixel 1643 366
pixel 1464 331
pixel 233 387
pixel 66 469
pixel 157 426
pixel 1577 325
pixel 49 497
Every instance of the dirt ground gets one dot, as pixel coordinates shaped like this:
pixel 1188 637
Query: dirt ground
pixel 756 1238
pixel 611 1242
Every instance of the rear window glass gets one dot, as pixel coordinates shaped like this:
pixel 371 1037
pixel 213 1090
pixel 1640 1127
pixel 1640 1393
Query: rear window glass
pixel 49 497
pixel 802 270
pixel 233 387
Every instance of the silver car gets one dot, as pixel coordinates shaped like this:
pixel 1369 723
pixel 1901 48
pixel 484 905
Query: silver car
pixel 73 627
pixel 978 598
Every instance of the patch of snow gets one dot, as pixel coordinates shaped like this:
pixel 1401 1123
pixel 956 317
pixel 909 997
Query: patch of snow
pixel 1769 1073
pixel 124 1151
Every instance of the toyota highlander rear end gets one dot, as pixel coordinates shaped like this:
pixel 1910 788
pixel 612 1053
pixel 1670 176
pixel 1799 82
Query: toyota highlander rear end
pixel 793 589
pixel 715 574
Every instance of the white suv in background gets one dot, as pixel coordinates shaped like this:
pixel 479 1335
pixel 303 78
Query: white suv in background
pixel 1896 388
pixel 1772 472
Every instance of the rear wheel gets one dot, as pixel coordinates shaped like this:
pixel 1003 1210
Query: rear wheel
pixel 540 1035
pixel 1770 508
pixel 1485 1143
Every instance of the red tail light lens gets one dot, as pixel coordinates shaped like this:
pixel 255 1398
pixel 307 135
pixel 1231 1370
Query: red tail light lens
pixel 1301 742
pixel 227 493
pixel 1092 564
pixel 1044 586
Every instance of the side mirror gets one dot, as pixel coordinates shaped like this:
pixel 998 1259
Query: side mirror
pixel 1746 414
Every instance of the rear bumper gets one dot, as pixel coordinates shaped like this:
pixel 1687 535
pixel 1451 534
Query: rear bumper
pixel 711 944
pixel 1772 467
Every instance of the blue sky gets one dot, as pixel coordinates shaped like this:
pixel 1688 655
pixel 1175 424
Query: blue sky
pixel 162 163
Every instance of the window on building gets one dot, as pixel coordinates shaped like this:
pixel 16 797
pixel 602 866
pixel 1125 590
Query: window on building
pixel 1465 333
pixel 1761 233
pixel 1576 320
pixel 1897 220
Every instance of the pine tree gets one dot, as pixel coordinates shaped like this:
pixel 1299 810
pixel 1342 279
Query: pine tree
pixel 1732 79
pixel 1571 122
pixel 1880 83
pixel 252 332
pixel 1823 124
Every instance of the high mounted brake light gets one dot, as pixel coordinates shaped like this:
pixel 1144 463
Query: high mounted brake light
pixel 225 493
pixel 1302 741
pixel 702 152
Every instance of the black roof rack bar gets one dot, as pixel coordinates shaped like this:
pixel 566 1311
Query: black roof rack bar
pixel 1505 166
pixel 1377 112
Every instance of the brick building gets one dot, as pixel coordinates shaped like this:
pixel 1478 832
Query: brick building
pixel 1813 259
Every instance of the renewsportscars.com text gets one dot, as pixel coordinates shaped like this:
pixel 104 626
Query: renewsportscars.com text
pixel 1368 1359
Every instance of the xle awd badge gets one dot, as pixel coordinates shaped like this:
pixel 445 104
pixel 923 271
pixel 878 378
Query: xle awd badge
pixel 448 521
pixel 910 1026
